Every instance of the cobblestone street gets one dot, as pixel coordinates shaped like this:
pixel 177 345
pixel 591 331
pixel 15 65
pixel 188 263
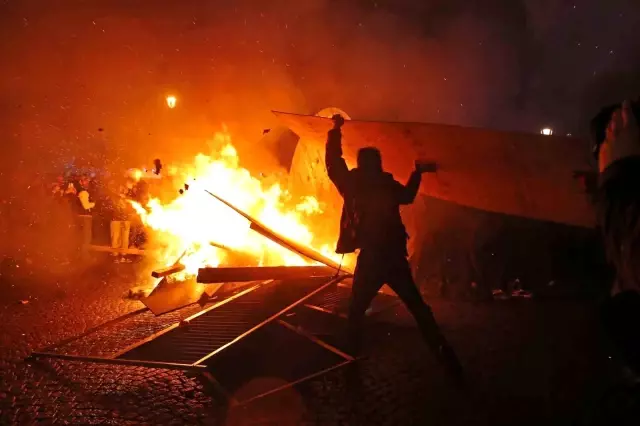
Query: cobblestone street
pixel 530 363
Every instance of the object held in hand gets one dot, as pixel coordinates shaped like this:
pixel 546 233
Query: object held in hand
pixel 601 122
pixel 426 166
pixel 338 121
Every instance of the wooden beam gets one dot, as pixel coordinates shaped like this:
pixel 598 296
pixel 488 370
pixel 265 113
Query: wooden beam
pixel 282 240
pixel 220 246
pixel 528 175
pixel 169 270
pixel 296 247
pixel 108 249
pixel 223 275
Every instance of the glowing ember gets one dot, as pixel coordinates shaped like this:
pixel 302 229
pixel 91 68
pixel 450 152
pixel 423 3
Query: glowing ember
pixel 171 101
pixel 211 233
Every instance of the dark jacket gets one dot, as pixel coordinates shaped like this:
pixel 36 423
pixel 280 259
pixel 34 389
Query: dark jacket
pixel 371 211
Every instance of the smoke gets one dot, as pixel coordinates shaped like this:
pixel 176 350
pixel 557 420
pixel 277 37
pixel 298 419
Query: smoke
pixel 75 67
pixel 108 65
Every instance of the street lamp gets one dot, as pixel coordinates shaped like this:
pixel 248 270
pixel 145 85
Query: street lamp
pixel 547 131
pixel 171 101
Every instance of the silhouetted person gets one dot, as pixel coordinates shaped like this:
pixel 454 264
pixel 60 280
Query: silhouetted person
pixel 617 138
pixel 371 222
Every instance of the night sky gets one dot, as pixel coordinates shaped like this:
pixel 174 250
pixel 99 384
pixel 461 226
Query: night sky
pixel 71 67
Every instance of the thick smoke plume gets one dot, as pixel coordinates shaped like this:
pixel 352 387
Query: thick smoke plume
pixel 108 65
pixel 73 67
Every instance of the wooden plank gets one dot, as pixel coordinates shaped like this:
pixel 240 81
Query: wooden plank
pixel 218 245
pixel 169 270
pixel 282 240
pixel 526 175
pixel 168 296
pixel 108 249
pixel 221 275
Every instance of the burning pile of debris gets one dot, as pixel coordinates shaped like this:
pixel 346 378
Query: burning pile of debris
pixel 203 241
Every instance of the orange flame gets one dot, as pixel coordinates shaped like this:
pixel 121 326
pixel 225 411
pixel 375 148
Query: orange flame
pixel 210 232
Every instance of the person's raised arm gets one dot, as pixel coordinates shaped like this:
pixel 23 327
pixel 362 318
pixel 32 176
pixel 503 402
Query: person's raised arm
pixel 336 166
pixel 406 194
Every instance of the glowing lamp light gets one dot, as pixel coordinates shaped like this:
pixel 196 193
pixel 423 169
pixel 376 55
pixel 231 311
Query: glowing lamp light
pixel 171 101
pixel 547 131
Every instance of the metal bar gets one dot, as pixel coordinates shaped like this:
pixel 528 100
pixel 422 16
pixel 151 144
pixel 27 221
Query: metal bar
pixel 229 299
pixel 270 319
pixel 224 275
pixel 93 330
pixel 99 360
pixel 296 382
pixel 302 332
pixel 325 311
pixel 187 320
pixel 165 272
pixel 145 340
pixel 220 389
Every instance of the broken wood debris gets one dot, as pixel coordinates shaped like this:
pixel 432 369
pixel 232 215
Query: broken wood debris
pixel 220 246
pixel 169 270
pixel 277 238
pixel 280 239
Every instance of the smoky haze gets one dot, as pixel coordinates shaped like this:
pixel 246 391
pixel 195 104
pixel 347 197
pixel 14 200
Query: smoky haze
pixel 86 80
pixel 88 65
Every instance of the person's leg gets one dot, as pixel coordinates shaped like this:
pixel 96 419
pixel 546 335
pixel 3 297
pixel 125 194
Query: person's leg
pixel 115 234
pixel 126 230
pixel 401 281
pixel 366 283
pixel 76 229
pixel 87 230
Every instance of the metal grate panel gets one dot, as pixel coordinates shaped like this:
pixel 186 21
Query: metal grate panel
pixel 336 301
pixel 214 329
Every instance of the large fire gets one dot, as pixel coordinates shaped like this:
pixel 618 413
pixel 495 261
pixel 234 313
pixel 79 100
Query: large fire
pixel 201 231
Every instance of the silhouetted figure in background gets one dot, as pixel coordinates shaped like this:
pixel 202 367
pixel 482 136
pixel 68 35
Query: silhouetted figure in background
pixel 371 222
pixel 617 138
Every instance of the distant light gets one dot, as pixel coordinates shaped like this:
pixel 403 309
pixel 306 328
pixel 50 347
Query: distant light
pixel 547 131
pixel 171 101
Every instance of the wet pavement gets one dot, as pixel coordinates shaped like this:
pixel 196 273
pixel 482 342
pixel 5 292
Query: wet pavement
pixel 530 363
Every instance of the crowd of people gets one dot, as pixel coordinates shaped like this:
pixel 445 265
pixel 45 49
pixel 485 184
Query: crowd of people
pixel 102 210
